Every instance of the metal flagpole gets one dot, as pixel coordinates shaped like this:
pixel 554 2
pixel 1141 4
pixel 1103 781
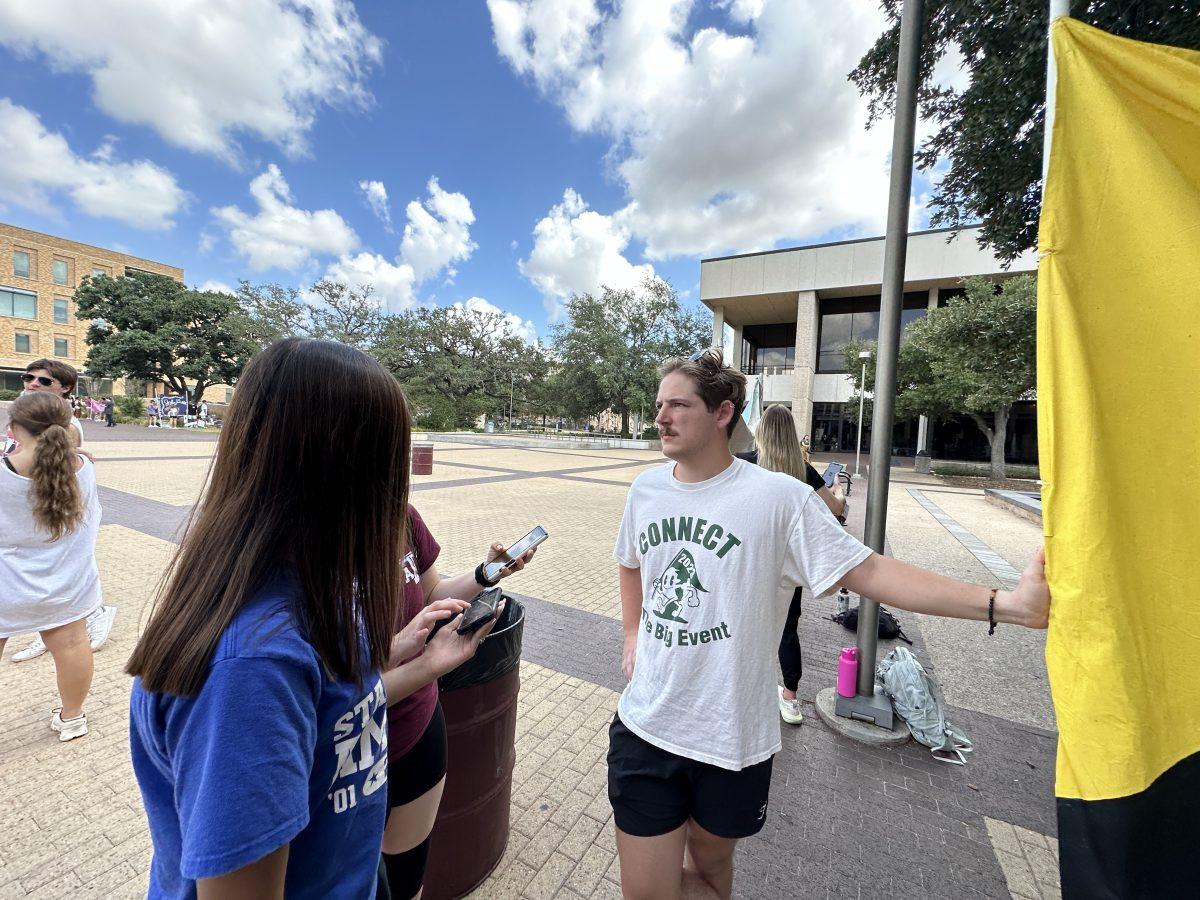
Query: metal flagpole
pixel 1057 8
pixel 869 705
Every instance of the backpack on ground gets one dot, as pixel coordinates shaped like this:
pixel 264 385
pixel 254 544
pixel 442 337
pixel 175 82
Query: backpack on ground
pixel 889 625
pixel 917 701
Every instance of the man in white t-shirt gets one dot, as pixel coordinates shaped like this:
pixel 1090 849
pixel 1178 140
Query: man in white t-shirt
pixel 56 377
pixel 710 549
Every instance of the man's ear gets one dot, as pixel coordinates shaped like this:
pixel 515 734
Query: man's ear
pixel 725 413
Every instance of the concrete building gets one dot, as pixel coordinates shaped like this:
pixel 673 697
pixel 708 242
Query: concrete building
pixel 38 276
pixel 791 311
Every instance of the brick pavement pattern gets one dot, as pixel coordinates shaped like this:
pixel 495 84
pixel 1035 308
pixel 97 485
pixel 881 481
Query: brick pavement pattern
pixel 844 820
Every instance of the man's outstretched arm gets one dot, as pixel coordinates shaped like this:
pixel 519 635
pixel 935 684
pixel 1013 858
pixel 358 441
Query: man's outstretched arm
pixel 631 615
pixel 894 583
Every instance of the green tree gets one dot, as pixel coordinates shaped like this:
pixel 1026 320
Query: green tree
pixel 989 134
pixel 456 364
pixel 346 314
pixel 154 328
pixel 609 347
pixel 274 312
pixel 975 356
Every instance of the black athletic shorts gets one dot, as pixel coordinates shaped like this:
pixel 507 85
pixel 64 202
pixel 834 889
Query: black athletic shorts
pixel 422 767
pixel 653 791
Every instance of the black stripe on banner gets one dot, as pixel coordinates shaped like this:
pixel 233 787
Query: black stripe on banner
pixel 1144 845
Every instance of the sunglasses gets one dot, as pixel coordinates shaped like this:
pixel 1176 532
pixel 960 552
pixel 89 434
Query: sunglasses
pixel 40 379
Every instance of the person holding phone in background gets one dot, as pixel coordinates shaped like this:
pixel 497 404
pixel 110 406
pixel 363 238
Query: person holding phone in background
pixel 416 725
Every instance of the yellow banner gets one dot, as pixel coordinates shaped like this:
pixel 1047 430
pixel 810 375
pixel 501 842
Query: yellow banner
pixel 1119 409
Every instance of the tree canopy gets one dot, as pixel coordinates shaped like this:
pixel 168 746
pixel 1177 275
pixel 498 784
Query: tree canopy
pixel 609 347
pixel 457 364
pixel 153 328
pixel 975 356
pixel 989 135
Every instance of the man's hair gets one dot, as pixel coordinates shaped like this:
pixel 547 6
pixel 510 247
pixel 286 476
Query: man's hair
pixel 60 371
pixel 715 382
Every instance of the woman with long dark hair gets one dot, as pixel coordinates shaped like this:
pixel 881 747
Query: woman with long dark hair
pixel 49 516
pixel 258 717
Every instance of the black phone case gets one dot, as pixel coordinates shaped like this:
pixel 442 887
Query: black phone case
pixel 481 611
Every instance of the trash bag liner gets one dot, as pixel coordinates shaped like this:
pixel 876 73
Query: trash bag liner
pixel 498 655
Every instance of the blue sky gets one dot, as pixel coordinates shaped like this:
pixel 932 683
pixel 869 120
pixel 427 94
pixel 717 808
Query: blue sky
pixel 527 148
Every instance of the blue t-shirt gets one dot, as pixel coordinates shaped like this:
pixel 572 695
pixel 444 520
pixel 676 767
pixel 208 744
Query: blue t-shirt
pixel 271 751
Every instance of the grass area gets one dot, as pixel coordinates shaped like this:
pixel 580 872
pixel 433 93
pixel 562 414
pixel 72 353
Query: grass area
pixel 982 470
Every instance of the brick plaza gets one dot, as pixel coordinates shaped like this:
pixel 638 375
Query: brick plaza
pixel 844 820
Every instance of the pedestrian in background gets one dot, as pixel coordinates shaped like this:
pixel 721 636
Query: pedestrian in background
pixel 50 516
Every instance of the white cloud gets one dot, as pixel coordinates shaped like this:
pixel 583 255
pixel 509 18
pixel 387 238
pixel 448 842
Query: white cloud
pixel 218 286
pixel 577 250
pixel 522 328
pixel 281 235
pixel 200 72
pixel 376 196
pixel 36 165
pixel 723 140
pixel 393 282
pixel 438 232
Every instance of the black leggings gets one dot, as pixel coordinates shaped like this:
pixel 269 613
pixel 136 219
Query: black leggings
pixel 789 645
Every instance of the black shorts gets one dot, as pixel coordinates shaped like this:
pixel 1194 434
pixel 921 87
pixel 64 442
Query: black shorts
pixel 653 791
pixel 422 767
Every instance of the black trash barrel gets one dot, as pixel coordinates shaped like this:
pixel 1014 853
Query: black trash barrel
pixel 479 699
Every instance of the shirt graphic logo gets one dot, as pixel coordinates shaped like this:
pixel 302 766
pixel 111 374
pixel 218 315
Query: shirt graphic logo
pixel 678 586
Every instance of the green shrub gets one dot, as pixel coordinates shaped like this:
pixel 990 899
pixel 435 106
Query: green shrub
pixel 9 395
pixel 129 409
pixel 983 470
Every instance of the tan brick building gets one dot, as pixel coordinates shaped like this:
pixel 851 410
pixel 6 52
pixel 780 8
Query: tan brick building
pixel 38 277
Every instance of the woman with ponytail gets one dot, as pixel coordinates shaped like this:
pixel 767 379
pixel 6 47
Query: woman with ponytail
pixel 49 516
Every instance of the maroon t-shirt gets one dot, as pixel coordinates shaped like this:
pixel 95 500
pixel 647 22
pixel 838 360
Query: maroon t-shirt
pixel 408 719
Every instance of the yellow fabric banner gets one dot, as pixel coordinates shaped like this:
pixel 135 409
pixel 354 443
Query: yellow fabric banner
pixel 1119 409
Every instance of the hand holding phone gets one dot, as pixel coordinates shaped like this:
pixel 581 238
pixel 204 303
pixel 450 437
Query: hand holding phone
pixel 492 570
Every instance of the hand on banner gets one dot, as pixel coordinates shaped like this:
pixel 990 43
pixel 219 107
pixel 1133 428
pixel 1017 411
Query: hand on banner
pixel 1029 602
pixel 410 641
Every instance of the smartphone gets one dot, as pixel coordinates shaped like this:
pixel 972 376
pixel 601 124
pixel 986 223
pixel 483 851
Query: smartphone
pixel 481 611
pixel 492 570
pixel 831 473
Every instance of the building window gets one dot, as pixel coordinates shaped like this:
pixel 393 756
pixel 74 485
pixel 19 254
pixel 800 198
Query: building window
pixel 94 387
pixel 97 272
pixel 20 263
pixel 62 347
pixel 18 304
pixel 21 343
pixel 61 310
pixel 855 319
pixel 228 395
pixel 60 271
pixel 768 347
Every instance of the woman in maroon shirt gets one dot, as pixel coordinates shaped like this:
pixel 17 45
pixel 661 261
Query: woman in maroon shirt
pixel 416 728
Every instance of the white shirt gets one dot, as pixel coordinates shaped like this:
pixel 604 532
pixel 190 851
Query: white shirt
pixel 719 560
pixel 43 583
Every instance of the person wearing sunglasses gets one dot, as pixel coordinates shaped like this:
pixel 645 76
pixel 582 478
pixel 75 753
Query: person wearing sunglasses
pixel 52 376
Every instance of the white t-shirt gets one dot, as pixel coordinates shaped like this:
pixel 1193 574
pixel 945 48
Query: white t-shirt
pixel 719 560
pixel 44 583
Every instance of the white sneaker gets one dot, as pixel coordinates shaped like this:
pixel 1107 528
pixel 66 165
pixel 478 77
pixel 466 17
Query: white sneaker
pixel 33 651
pixel 99 624
pixel 789 710
pixel 68 729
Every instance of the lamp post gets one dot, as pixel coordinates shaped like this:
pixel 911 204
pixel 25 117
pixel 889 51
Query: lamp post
pixel 862 392
pixel 512 383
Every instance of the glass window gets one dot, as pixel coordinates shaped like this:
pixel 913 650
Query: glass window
pixel 857 319
pixel 836 331
pixel 61 310
pixel 21 263
pixel 21 343
pixel 19 304
pixel 97 272
pixel 60 271
pixel 61 347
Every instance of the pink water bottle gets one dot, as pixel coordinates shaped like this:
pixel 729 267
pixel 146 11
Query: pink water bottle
pixel 847 679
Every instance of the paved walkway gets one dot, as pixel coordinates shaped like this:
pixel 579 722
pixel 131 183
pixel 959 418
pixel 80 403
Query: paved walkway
pixel 844 820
